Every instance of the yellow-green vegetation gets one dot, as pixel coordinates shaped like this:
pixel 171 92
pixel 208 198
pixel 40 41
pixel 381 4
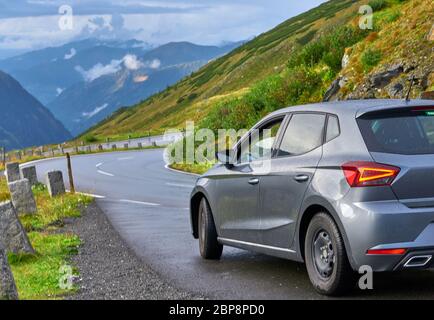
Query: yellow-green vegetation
pixel 192 168
pixel 4 191
pixel 37 276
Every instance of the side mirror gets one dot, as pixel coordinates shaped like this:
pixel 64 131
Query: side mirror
pixel 225 158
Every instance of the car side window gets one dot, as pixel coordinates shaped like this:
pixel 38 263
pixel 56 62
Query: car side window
pixel 303 134
pixel 259 145
pixel 333 129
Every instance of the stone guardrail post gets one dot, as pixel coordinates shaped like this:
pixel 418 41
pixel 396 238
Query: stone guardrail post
pixel 30 174
pixel 12 172
pixel 55 183
pixel 13 237
pixel 22 196
pixel 8 289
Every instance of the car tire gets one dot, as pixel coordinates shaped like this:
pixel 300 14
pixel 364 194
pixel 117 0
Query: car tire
pixel 326 259
pixel 209 246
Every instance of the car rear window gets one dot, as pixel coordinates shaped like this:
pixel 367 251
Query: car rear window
pixel 399 132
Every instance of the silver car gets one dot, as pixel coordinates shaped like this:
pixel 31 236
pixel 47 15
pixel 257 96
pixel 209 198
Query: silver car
pixel 341 185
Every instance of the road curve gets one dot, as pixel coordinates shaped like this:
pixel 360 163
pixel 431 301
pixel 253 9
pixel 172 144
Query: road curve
pixel 148 206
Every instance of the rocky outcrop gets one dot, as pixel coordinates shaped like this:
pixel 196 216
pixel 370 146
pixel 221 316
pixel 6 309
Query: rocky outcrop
pixel 382 79
pixel 332 90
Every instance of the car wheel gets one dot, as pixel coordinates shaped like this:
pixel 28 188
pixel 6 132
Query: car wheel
pixel 209 246
pixel 326 259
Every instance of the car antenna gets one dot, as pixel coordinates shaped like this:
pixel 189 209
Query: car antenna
pixel 407 96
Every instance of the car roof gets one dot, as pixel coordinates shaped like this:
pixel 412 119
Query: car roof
pixel 356 107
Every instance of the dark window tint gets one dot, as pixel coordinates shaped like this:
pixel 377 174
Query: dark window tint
pixel 399 133
pixel 333 130
pixel 304 134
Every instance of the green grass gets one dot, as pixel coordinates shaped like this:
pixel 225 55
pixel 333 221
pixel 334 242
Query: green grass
pixel 192 168
pixel 4 191
pixel 378 5
pixel 37 277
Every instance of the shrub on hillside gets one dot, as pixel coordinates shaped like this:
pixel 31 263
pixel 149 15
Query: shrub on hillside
pixel 370 58
pixel 328 49
pixel 295 86
pixel 90 138
pixel 377 5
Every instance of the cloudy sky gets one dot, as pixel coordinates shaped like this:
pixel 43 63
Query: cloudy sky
pixel 33 24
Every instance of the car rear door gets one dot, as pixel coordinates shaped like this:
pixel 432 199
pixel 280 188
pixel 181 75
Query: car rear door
pixel 292 168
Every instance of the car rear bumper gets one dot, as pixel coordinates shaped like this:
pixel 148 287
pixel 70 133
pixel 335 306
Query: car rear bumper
pixel 383 225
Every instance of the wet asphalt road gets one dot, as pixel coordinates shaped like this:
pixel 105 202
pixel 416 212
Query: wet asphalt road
pixel 148 206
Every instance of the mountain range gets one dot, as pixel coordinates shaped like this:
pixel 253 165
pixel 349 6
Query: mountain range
pixel 83 82
pixel 24 121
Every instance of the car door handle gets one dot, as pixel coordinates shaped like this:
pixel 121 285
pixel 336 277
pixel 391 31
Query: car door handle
pixel 253 181
pixel 301 178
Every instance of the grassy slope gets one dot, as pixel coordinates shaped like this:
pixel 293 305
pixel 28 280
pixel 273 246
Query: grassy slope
pixel 37 277
pixel 230 75
pixel 399 36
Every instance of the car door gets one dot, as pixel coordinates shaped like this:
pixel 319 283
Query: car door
pixel 293 166
pixel 238 188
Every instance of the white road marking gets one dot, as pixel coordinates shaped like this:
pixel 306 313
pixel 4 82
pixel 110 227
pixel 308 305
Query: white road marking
pixel 140 202
pixel 89 195
pixel 126 158
pixel 99 164
pixel 179 185
pixel 167 167
pixel 105 173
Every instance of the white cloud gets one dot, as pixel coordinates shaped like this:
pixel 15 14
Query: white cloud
pixel 132 63
pixel 154 64
pixel 71 54
pixel 59 91
pixel 154 21
pixel 129 61
pixel 93 113
pixel 99 70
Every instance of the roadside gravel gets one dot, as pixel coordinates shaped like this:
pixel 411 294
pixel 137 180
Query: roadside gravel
pixel 109 270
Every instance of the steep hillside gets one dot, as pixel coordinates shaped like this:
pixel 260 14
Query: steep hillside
pixel 24 120
pixel 299 61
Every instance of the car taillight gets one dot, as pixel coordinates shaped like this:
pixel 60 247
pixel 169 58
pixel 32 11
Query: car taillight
pixel 369 174
pixel 382 252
